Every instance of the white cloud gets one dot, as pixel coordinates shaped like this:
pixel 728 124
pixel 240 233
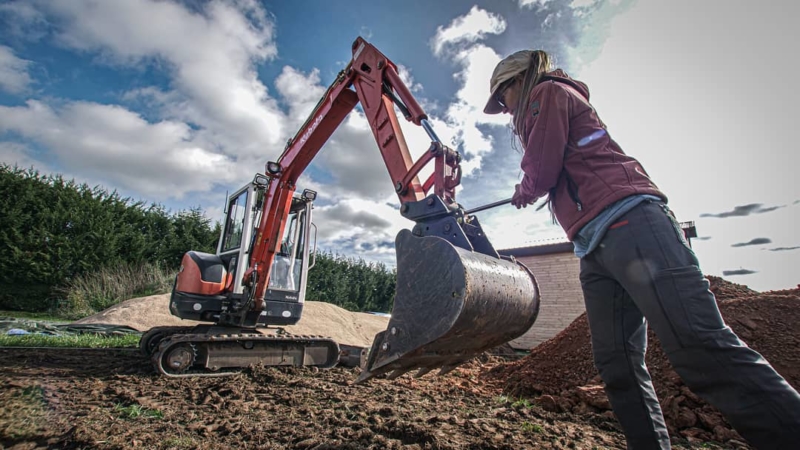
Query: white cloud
pixel 459 41
pixel 696 91
pixel 300 93
pixel 210 55
pixel 467 29
pixel 211 58
pixel 683 91
pixel 408 79
pixel 14 77
pixel 22 20
pixel 360 227
pixel 16 154
pixel 465 113
pixel 117 146
pixel 582 3
pixel 533 3
pixel 215 115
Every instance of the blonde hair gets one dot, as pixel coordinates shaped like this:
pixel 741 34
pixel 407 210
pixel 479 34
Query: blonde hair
pixel 540 63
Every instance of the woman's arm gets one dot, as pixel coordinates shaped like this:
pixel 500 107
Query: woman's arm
pixel 547 128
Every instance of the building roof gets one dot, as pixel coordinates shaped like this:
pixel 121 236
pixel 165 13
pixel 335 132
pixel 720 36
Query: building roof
pixel 563 245
pixel 540 247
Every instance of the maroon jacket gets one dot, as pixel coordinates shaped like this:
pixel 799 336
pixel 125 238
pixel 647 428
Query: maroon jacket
pixel 570 155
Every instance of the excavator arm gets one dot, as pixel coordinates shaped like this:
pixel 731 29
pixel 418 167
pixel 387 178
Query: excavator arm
pixel 370 79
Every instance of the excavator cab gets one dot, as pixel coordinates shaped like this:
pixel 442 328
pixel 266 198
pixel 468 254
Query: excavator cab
pixel 213 288
pixel 210 285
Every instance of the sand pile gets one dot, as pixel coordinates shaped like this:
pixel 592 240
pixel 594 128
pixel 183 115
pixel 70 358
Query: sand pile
pixel 561 376
pixel 323 319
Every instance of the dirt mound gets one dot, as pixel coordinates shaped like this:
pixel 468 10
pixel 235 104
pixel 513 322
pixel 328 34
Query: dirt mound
pixel 725 290
pixel 319 318
pixel 561 376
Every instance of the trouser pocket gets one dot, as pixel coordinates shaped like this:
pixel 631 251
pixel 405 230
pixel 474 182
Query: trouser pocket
pixel 689 308
pixel 675 225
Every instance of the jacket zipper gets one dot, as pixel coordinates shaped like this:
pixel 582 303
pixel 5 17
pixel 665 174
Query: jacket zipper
pixel 572 188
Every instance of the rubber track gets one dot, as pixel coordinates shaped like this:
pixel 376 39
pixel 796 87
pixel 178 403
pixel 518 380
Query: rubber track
pixel 202 338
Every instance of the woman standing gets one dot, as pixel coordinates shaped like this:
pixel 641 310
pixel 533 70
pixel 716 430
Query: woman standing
pixel 636 266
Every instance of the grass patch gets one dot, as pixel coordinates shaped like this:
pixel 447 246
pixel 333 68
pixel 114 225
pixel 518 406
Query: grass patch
pixel 135 411
pixel 78 340
pixel 22 412
pixel 522 403
pixel 502 399
pixel 180 442
pixel 40 316
pixel 93 292
pixel 529 427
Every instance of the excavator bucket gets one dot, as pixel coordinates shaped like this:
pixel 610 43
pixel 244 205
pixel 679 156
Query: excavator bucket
pixel 451 305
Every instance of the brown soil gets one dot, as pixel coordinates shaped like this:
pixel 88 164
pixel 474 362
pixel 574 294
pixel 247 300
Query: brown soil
pixel 560 376
pixel 112 399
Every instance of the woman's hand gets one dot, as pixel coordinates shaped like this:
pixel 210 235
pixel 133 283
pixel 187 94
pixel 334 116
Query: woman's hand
pixel 520 199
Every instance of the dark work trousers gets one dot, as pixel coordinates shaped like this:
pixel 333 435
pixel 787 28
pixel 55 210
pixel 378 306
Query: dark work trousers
pixel 643 272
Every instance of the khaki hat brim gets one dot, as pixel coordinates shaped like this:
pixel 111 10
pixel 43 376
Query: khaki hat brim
pixel 493 106
pixel 505 70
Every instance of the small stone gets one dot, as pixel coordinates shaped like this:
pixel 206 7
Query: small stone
pixel 710 420
pixel 747 322
pixel 695 435
pixel 548 403
pixel 685 418
pixel 737 444
pixel 594 396
pixel 724 434
pixel 609 415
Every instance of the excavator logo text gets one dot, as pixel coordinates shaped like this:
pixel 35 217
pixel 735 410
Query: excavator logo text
pixel 310 130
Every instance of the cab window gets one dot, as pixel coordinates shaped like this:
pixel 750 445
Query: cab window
pixel 234 225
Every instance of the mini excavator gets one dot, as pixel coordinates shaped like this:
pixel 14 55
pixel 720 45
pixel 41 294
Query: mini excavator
pixel 455 296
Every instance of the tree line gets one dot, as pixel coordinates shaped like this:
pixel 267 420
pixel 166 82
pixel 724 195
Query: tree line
pixel 53 231
pixel 351 283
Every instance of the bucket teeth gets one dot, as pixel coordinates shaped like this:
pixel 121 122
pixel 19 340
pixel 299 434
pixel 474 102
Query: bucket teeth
pixel 447 369
pixel 364 376
pixel 422 371
pixel 397 373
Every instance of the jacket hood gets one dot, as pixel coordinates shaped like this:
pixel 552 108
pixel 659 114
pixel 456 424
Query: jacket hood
pixel 562 77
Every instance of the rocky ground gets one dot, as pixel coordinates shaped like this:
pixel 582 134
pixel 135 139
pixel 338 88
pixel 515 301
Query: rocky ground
pixel 552 398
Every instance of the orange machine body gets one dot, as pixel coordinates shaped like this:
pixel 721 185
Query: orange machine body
pixel 202 273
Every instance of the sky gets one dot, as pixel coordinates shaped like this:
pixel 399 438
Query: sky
pixel 179 103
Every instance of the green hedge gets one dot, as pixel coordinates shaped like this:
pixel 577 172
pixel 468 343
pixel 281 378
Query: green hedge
pixel 53 230
pixel 351 283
